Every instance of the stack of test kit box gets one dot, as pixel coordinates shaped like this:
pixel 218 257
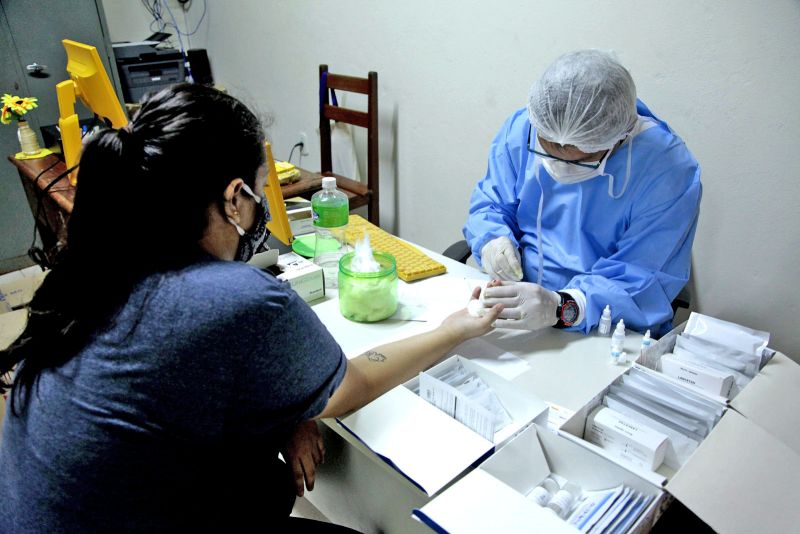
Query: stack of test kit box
pixel 739 468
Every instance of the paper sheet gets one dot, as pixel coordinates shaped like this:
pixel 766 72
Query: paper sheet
pixel 434 299
pixel 492 358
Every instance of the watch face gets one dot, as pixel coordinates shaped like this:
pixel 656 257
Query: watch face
pixel 569 312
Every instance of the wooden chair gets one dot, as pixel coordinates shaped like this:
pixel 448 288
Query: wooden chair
pixel 358 193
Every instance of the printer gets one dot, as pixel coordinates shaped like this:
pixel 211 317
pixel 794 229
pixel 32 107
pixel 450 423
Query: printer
pixel 143 68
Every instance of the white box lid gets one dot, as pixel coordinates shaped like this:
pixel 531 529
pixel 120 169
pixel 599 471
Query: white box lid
pixel 769 400
pixel 426 445
pixel 741 479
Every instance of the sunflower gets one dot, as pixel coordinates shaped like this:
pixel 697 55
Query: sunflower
pixel 15 107
pixel 21 106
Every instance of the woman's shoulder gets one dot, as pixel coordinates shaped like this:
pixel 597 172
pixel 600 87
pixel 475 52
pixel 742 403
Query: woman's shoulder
pixel 224 283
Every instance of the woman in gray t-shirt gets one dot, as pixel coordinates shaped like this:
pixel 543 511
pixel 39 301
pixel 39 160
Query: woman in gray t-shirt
pixel 159 375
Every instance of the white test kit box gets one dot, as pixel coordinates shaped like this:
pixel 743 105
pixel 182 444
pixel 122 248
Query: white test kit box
pixel 743 477
pixel 300 217
pixel 707 379
pixel 626 438
pixel 426 445
pixel 303 275
pixel 494 496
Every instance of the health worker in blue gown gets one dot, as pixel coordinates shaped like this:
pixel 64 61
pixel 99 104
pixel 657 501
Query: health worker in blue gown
pixel 589 200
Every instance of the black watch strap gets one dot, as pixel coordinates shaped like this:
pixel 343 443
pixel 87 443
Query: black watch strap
pixel 567 311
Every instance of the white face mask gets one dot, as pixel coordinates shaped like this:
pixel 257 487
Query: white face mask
pixel 569 173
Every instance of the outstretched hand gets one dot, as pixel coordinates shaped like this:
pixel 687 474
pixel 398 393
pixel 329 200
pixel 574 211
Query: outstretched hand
pixel 464 326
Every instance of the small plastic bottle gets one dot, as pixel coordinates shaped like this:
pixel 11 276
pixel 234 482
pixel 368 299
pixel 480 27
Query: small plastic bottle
pixel 604 327
pixel 617 343
pixel 561 503
pixel 540 496
pixel 330 210
pixel 646 342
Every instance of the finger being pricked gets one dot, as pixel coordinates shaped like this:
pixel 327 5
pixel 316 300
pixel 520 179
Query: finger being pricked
pixel 476 293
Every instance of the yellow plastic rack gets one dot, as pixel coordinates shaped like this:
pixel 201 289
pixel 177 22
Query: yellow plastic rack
pixel 411 263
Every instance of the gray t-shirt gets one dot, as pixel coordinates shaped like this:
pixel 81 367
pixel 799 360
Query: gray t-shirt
pixel 178 407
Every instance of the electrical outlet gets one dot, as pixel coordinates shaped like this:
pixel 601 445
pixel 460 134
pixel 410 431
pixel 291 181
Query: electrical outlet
pixel 303 139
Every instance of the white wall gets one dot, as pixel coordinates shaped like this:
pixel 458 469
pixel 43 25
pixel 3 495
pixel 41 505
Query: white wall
pixel 725 75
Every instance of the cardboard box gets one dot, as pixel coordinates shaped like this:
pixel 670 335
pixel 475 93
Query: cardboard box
pixel 299 214
pixel 492 498
pixel 427 446
pixel 304 276
pixel 744 476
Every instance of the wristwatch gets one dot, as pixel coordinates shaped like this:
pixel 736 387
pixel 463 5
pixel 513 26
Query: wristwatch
pixel 567 311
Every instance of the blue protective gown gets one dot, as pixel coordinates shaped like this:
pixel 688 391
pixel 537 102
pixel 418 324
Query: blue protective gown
pixel 633 253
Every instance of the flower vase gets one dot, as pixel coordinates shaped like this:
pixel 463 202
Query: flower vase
pixel 27 139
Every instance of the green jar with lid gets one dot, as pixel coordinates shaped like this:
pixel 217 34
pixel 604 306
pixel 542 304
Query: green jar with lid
pixel 368 297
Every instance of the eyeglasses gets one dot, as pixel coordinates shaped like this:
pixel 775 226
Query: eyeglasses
pixel 593 165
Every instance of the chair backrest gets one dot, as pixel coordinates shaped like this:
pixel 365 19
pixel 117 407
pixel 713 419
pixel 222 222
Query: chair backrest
pixel 332 111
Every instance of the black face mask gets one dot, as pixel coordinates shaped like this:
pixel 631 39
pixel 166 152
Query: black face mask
pixel 251 241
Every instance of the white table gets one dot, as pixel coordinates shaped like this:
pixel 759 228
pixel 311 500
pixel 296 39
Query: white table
pixel 355 487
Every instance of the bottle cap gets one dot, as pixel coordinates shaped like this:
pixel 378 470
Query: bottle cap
pixel 328 182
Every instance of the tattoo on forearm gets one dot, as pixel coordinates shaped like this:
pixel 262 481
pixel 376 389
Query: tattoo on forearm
pixel 375 356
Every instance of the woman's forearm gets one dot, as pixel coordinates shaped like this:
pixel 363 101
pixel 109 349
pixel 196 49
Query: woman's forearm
pixel 378 370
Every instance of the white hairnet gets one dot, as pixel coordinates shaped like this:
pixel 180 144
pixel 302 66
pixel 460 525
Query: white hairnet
pixel 586 99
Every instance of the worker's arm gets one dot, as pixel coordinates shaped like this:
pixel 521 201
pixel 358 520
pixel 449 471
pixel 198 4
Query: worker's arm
pixel 494 201
pixel 375 372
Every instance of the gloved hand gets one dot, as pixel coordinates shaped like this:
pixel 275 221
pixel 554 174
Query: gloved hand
pixel 527 306
pixel 500 259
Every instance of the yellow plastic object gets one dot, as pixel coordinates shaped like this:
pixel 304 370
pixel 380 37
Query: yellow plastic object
pixel 279 221
pixel 411 263
pixel 42 153
pixel 89 82
pixel 287 173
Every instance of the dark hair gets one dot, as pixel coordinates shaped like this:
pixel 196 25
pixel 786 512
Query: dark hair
pixel 141 207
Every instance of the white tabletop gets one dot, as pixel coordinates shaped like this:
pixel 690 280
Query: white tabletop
pixel 566 368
